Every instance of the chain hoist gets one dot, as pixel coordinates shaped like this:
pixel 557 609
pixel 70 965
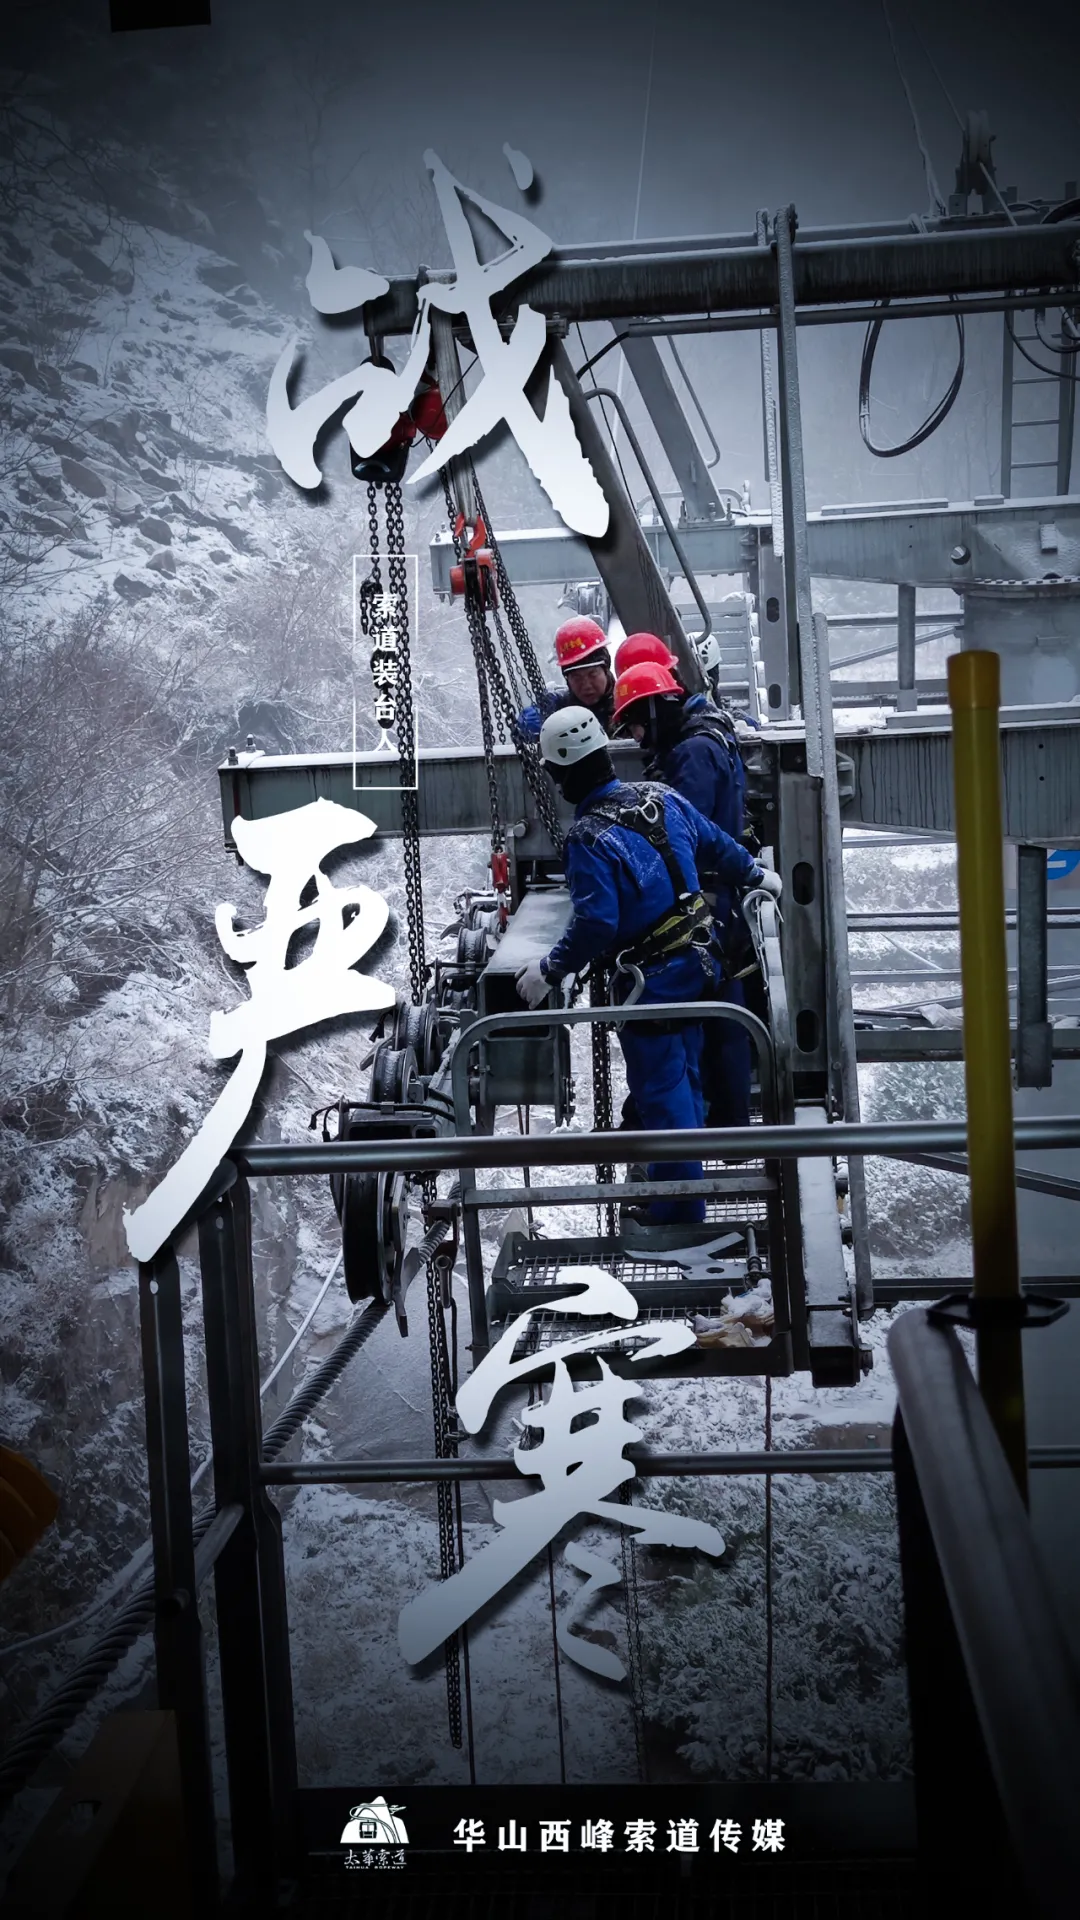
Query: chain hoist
pixel 491 677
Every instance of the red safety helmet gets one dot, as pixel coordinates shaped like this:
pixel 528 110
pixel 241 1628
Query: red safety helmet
pixel 579 642
pixel 643 682
pixel 643 646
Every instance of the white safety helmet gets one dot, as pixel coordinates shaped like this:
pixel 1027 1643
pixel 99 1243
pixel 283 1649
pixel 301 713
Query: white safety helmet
pixel 709 653
pixel 570 734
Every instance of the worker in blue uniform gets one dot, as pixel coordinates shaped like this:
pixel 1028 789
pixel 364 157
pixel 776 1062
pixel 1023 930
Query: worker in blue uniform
pixel 581 650
pixel 632 858
pixel 691 745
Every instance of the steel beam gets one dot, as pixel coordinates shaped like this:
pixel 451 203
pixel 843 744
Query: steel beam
pixel 901 779
pixel 876 1045
pixel 904 779
pixel 1000 542
pixel 638 282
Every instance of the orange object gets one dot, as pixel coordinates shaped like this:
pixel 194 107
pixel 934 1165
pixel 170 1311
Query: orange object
pixel 28 1506
pixel 643 682
pixel 643 646
pixel 579 641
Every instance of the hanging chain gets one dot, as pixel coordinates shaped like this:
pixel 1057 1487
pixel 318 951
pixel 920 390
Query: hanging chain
pixel 490 676
pixel 521 698
pixel 600 996
pixel 405 723
pixel 475 618
pixel 509 599
pixel 442 1407
pixel 633 1639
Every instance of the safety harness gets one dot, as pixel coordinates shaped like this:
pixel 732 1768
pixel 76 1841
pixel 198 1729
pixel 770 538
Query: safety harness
pixel 688 921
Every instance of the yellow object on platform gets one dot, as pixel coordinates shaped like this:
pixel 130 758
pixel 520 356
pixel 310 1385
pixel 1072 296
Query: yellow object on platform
pixel 974 695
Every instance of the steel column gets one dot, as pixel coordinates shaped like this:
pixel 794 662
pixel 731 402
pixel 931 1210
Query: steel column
pixel 907 699
pixel 249 1573
pixel 1034 1034
pixel 623 559
pixel 839 970
pixel 802 686
pixel 178 1639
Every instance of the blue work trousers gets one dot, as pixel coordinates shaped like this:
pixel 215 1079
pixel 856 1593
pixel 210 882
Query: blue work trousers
pixel 663 1072
pixel 725 1064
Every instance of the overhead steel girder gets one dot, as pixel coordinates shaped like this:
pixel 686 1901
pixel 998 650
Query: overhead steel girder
pixel 905 779
pixel 901 779
pixel 936 546
pixel 636 282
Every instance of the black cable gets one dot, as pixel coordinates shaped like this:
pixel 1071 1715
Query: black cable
pixel 613 342
pixel 1060 345
pixel 1049 373
pixel 933 419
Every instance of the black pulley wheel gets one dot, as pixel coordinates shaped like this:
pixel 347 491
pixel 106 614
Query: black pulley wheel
pixel 374 1227
pixel 418 1028
pixel 394 1076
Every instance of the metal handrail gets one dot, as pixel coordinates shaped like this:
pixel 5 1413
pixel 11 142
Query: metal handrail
pixel 894 1138
pixel 688 1010
pixel 1022 1677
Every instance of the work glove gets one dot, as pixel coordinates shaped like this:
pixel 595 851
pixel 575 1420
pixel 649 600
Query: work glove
pixel 769 882
pixel 532 985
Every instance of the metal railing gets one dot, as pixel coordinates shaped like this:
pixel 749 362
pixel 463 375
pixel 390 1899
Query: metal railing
pixel 994 1688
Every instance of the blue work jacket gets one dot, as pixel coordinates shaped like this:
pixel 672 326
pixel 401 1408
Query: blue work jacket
pixel 710 774
pixel 706 771
pixel 531 719
pixel 619 884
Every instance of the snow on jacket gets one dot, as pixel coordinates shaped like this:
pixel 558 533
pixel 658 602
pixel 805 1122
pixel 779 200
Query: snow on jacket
pixel 619 884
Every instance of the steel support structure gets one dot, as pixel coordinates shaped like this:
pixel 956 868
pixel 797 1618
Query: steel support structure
pixel 621 556
pixel 653 382
pixel 1034 1034
pixel 178 1637
pixel 716 278
pixel 907 698
pixel 839 963
pixel 995 1698
pixel 253 1632
pixel 452 394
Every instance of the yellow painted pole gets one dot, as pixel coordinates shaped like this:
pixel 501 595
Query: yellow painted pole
pixel 974 695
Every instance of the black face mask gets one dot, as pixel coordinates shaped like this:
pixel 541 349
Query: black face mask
pixel 576 782
pixel 663 723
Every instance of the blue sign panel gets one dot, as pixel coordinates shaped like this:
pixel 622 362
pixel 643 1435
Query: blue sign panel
pixel 1060 864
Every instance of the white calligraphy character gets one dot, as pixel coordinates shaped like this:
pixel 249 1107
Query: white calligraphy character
pixel 290 847
pixel 579 1467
